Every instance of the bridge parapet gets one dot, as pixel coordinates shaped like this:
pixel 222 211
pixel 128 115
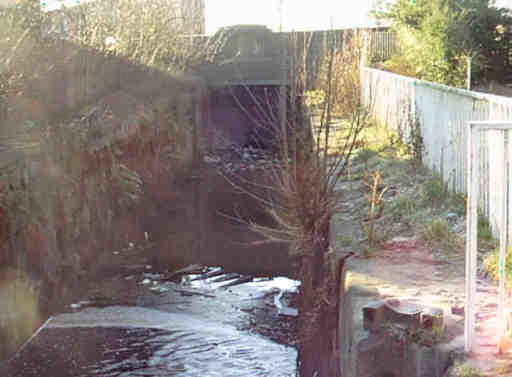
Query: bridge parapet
pixel 244 55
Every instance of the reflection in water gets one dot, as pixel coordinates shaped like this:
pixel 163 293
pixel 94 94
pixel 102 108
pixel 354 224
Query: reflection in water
pixel 130 341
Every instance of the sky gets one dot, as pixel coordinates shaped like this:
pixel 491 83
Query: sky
pixel 296 15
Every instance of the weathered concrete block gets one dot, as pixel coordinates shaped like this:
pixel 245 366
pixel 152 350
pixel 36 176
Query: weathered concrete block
pixel 432 318
pixel 373 315
pixel 403 312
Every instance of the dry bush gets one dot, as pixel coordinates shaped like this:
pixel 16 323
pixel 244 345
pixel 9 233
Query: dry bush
pixel 151 33
pixel 339 75
pixel 301 192
pixel 343 117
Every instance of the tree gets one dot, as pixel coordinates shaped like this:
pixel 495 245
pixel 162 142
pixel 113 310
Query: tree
pixel 151 33
pixel 302 191
pixel 439 37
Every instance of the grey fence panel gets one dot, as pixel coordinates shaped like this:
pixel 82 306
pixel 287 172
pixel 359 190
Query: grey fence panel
pixel 444 114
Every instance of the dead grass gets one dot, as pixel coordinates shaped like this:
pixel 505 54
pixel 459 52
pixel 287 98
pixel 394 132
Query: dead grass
pixel 415 202
pixel 437 234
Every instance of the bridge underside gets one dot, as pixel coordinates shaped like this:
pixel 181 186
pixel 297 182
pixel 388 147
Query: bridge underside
pixel 243 115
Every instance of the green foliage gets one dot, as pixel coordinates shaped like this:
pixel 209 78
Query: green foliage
pixel 425 56
pixel 402 207
pixel 365 155
pixel 411 144
pixel 434 191
pixel 466 370
pixel 458 203
pixel 437 230
pixel 484 229
pixel 491 264
pixel 438 36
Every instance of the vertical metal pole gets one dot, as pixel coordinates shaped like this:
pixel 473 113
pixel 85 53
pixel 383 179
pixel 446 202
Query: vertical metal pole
pixel 503 242
pixel 471 236
pixel 467 340
pixel 474 230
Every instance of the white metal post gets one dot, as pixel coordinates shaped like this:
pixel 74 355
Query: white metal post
pixel 471 236
pixel 467 296
pixel 473 180
pixel 503 242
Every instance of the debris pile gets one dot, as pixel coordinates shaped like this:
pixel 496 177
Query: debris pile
pixel 238 159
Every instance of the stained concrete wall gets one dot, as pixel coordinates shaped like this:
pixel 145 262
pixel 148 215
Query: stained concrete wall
pixel 392 352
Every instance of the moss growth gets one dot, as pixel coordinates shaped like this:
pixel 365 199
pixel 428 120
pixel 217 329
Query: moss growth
pixel 344 240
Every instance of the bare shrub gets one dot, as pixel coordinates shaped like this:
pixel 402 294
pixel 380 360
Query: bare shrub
pixel 302 194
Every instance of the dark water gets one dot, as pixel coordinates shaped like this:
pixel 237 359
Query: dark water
pixel 187 348
pixel 213 333
pixel 157 335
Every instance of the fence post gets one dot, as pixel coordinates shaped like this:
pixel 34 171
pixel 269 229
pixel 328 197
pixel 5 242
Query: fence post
pixel 503 242
pixel 471 237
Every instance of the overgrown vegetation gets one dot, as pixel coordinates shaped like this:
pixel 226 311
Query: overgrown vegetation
pixel 409 200
pixel 467 370
pixel 434 191
pixel 492 266
pixel 484 232
pixel 403 207
pixel 440 38
pixel 438 235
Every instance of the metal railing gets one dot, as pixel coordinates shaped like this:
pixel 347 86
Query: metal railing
pixel 477 131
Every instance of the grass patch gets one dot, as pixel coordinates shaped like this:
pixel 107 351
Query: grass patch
pixel 434 191
pixel 466 370
pixel 486 239
pixel 458 203
pixel 491 265
pixel 364 155
pixel 438 235
pixel 484 229
pixel 402 207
